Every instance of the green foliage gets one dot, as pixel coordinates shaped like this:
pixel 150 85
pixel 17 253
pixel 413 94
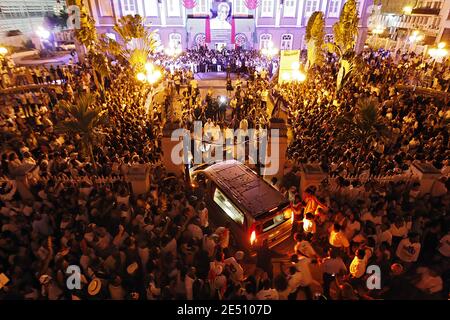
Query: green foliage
pixel 315 34
pixel 87 34
pixel 84 119
pixel 130 27
pixel 363 124
pixel 346 29
pixel 137 42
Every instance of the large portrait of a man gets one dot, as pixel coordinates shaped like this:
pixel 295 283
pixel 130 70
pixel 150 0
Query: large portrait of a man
pixel 221 15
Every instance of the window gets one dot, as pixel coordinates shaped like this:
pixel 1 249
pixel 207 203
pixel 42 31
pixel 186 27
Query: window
pixel 201 7
pixel 175 40
pixel 333 9
pixel 311 6
pixel 264 40
pixel 230 209
pixel 286 41
pixel 173 8
pixel 106 8
pixel 358 8
pixel 158 43
pixel 239 7
pixel 128 7
pixel 267 8
pixel 151 8
pixel 289 8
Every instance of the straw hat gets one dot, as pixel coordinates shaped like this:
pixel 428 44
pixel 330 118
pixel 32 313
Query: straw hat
pixel 132 268
pixel 396 268
pixel 94 287
pixel 44 279
pixel 239 255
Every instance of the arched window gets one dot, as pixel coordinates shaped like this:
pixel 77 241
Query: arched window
pixel 286 41
pixel 175 40
pixel 264 40
pixel 200 39
pixel 240 40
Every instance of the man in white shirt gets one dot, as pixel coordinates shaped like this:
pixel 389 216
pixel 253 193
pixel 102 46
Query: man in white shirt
pixel 237 272
pixel 303 247
pixel 331 266
pixel 267 293
pixel 409 248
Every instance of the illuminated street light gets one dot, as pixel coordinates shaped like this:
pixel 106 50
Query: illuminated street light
pixel 379 29
pixel 407 10
pixel 3 51
pixel 151 76
pixel 439 52
pixel 416 36
pixel 270 50
pixel 43 33
pixel 141 77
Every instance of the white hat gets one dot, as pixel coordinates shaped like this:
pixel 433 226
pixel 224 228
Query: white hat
pixel 94 287
pixel 132 268
pixel 44 279
pixel 239 255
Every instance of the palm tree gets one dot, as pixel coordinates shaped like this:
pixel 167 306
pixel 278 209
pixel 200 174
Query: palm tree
pixel 138 41
pixel 100 67
pixel 85 119
pixel 363 124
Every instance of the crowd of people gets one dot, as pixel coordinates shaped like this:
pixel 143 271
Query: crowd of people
pixel 61 206
pixel 203 60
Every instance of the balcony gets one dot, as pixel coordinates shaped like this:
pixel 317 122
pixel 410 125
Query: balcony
pixel 426 11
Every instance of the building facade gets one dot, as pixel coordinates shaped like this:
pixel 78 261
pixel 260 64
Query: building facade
pixel 402 18
pixel 24 15
pixel 246 23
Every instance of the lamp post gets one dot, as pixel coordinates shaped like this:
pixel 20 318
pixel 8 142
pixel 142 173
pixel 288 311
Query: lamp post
pixel 379 29
pixel 151 77
pixel 3 53
pixel 438 53
pixel 415 38
pixel 407 10
pixel 269 51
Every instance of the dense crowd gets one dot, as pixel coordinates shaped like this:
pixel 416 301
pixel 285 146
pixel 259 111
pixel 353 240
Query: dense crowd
pixel 203 60
pixel 61 207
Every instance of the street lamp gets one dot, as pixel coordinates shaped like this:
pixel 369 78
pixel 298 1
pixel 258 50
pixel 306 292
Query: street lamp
pixel 269 50
pixel 407 10
pixel 416 36
pixel 439 52
pixel 3 51
pixel 151 75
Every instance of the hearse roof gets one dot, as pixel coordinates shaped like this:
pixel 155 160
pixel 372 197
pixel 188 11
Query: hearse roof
pixel 245 187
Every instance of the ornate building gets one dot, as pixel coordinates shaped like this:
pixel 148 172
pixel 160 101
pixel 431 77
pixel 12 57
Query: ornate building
pixel 246 23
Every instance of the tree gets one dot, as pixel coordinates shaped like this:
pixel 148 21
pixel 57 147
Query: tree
pixel 100 67
pixel 85 119
pixel 345 33
pixel 346 29
pixel 363 124
pixel 138 42
pixel 315 34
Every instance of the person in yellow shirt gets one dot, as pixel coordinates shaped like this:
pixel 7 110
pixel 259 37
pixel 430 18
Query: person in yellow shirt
pixel 337 238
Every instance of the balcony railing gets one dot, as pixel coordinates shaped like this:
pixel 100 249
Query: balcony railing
pixel 427 11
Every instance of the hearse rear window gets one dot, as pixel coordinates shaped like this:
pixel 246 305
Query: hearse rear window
pixel 230 209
